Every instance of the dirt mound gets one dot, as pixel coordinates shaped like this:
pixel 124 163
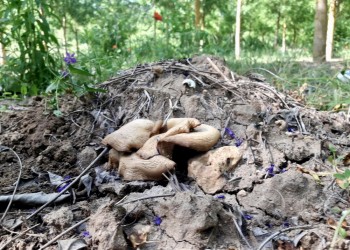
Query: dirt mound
pixel 271 170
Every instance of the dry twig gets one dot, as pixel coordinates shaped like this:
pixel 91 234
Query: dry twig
pixel 63 233
pixel 17 183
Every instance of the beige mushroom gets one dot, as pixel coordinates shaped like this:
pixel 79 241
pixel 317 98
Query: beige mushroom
pixel 177 126
pixel 208 169
pixel 132 167
pixel 130 136
pixel 113 158
pixel 176 121
pixel 202 139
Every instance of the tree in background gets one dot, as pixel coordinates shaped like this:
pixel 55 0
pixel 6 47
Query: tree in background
pixel 238 30
pixel 330 29
pixel 320 32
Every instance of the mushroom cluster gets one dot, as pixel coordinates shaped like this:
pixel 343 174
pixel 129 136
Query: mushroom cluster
pixel 143 149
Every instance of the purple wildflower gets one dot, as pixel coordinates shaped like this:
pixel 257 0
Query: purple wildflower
pixel 64 185
pixel 238 142
pixel 70 59
pixel 291 129
pixel 60 188
pixel 270 170
pixel 230 133
pixel 283 170
pixel 86 234
pixel 247 217
pixel 268 224
pixel 64 73
pixel 157 220
pixel 285 224
pixel 220 196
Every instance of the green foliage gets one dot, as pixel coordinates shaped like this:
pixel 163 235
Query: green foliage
pixel 110 35
pixel 26 28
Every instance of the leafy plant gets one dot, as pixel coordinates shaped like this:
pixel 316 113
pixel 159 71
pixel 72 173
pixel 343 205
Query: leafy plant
pixel 72 80
pixel 26 29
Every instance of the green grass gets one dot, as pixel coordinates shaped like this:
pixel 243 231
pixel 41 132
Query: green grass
pixel 289 73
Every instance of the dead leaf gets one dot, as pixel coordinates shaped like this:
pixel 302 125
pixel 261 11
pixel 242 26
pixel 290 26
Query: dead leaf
pixel 346 160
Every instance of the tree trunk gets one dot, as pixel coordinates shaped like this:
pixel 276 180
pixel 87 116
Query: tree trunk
pixel 64 26
pixel 284 31
pixel 238 30
pixel 320 31
pixel 2 53
pixel 76 40
pixel 275 44
pixel 197 11
pixel 330 29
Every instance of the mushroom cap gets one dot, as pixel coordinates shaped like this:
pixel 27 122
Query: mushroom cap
pixel 202 139
pixel 208 169
pixel 176 121
pixel 149 149
pixel 178 126
pixel 113 158
pixel 130 136
pixel 132 167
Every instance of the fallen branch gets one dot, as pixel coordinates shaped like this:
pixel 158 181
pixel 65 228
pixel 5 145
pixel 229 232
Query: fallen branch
pixel 19 235
pixel 70 185
pixel 144 198
pixel 282 231
pixel 63 233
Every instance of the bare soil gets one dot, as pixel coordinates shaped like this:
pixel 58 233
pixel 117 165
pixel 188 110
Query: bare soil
pixel 283 184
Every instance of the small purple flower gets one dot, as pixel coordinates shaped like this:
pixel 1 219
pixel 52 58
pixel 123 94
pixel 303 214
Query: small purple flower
pixel 247 217
pixel 64 74
pixel 60 188
pixel 86 234
pixel 70 59
pixel 238 142
pixel 285 224
pixel 230 133
pixel 64 185
pixel 66 178
pixel 268 224
pixel 270 170
pixel 291 129
pixel 221 196
pixel 157 220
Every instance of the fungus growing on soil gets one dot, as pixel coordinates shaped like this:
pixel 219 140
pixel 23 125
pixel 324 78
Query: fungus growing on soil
pixel 130 136
pixel 154 154
pixel 133 167
pixel 202 139
pixel 208 169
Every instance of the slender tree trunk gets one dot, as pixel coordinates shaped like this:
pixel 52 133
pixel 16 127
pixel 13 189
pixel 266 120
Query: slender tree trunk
pixel 330 29
pixel 76 40
pixel 64 25
pixel 2 53
pixel 275 44
pixel 197 11
pixel 320 31
pixel 284 31
pixel 238 30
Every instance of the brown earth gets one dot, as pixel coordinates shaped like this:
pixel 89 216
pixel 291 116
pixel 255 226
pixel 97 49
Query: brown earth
pixel 283 180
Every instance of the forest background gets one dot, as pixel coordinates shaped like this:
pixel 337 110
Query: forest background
pixel 55 47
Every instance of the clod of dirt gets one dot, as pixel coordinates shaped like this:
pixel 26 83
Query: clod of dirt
pixel 282 197
pixel 132 167
pixel 86 156
pixel 208 170
pixel 188 221
pixel 59 220
pixel 105 228
pixel 130 136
